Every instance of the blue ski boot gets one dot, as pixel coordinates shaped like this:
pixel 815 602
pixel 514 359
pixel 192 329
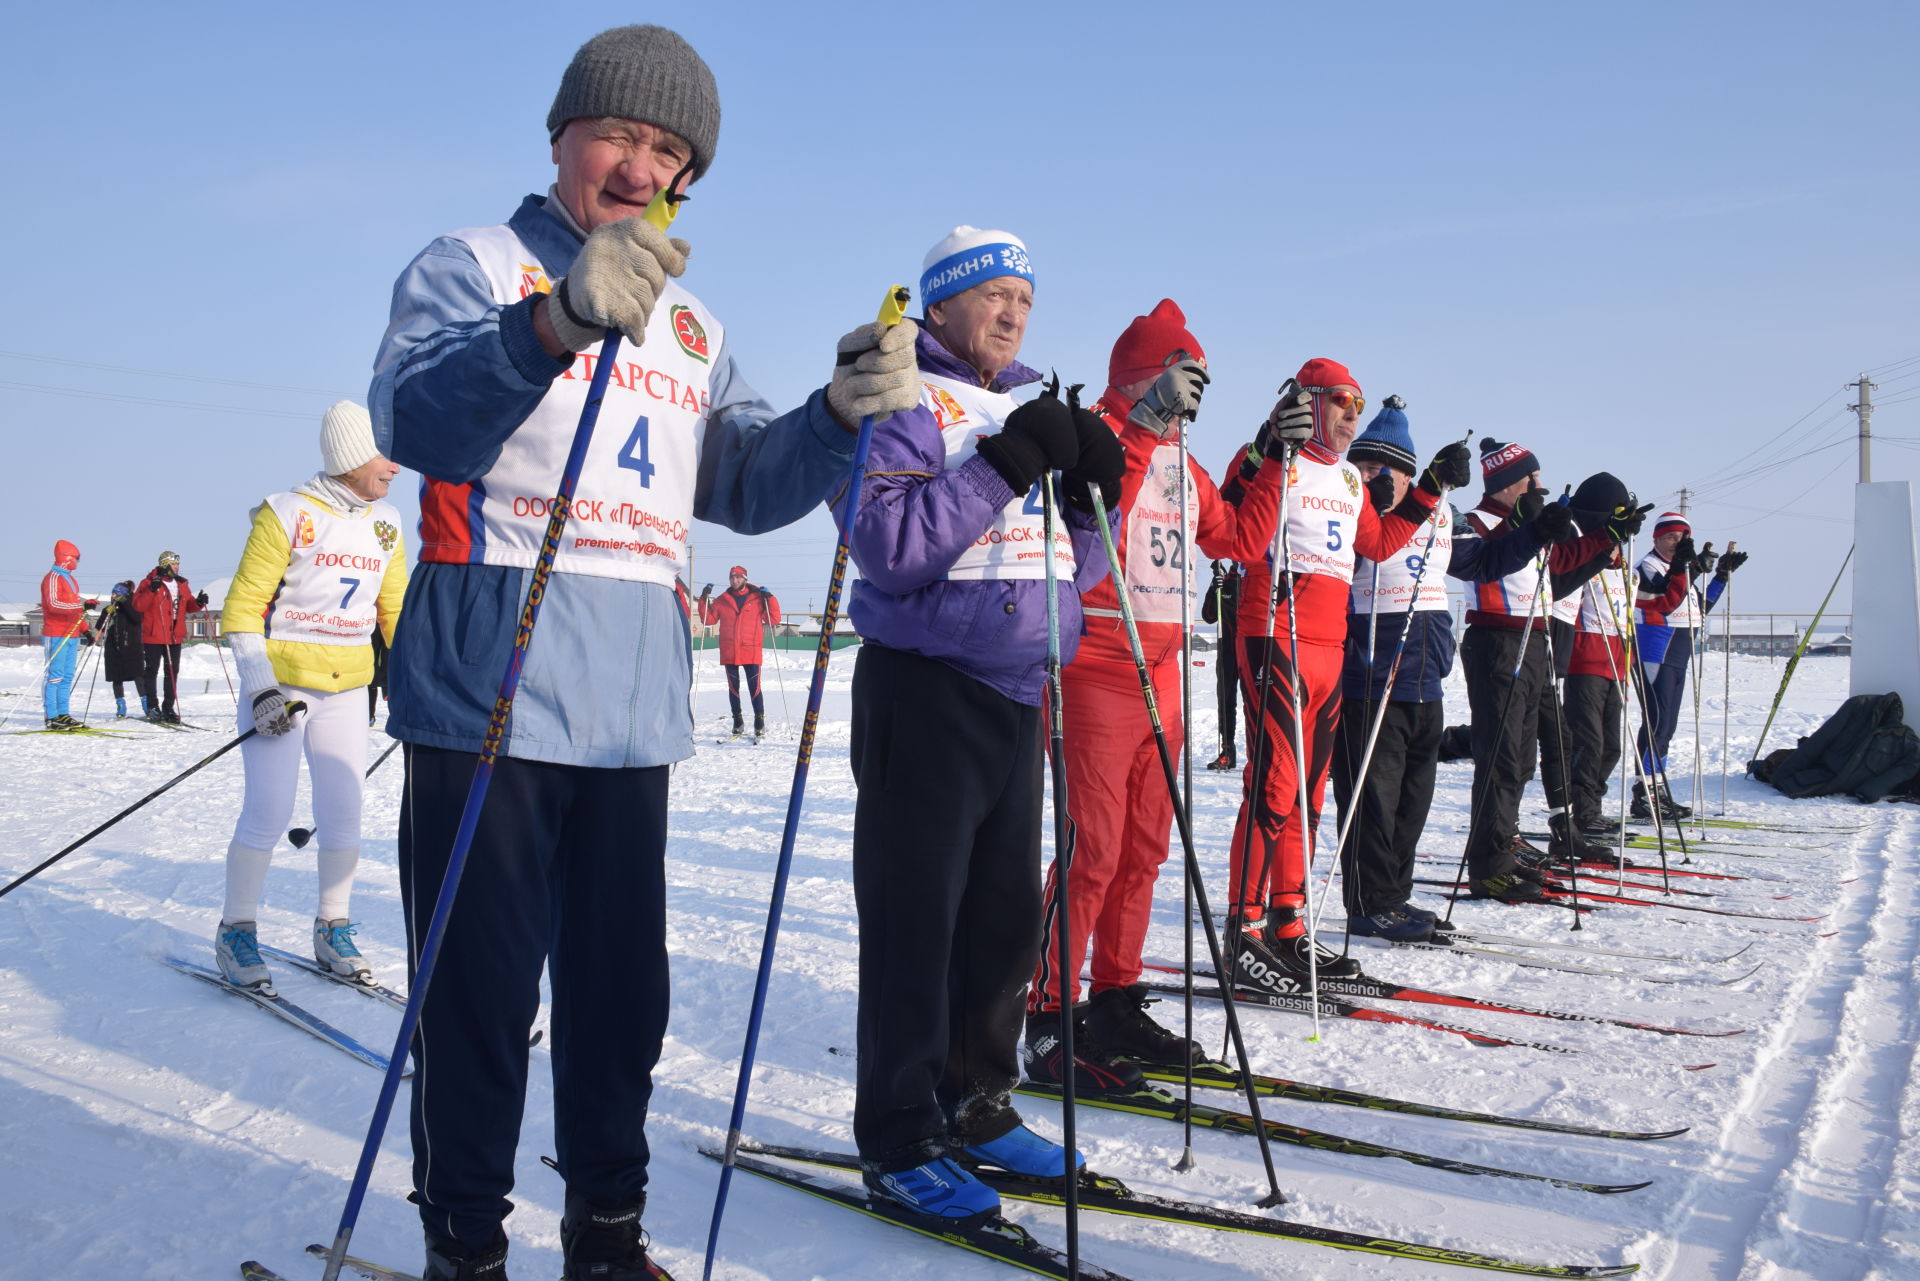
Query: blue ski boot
pixel 939 1189
pixel 1021 1151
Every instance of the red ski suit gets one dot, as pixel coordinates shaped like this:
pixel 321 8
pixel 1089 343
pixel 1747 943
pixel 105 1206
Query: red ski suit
pixel 1117 793
pixel 742 613
pixel 1329 520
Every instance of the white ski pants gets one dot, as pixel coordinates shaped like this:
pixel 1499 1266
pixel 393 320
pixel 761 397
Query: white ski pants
pixel 332 732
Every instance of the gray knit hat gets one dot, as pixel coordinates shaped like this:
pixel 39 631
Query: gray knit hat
pixel 642 72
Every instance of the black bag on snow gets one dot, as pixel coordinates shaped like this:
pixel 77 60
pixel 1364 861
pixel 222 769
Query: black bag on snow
pixel 1865 749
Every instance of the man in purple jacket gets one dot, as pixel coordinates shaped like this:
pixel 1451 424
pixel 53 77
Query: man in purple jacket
pixel 951 546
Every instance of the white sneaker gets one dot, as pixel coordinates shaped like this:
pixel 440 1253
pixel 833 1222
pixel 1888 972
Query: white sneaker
pixel 236 947
pixel 333 947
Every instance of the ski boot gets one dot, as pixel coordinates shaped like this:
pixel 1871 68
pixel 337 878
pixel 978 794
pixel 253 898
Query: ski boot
pixel 1118 1027
pixel 739 725
pixel 1094 1072
pixel 1513 884
pixel 1419 913
pixel 603 1241
pixel 451 1261
pixel 1224 761
pixel 236 947
pixel 1394 924
pixel 333 948
pixel 1670 810
pixel 759 727
pixel 1278 952
pixel 939 1189
pixel 1570 843
pixel 119 709
pixel 1021 1151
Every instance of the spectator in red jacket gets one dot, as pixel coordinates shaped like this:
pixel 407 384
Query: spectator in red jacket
pixel 742 611
pixel 165 601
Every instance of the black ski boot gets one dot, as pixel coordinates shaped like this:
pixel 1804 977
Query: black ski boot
pixel 739 726
pixel 1094 1072
pixel 1262 951
pixel 1670 811
pixel 759 727
pixel 1570 844
pixel 1513 884
pixel 1224 761
pixel 451 1261
pixel 603 1241
pixel 1118 1026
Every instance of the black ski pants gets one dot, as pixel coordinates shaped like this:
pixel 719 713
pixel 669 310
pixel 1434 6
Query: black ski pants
pixel 1227 681
pixel 1549 729
pixel 1593 743
pixel 566 870
pixel 158 659
pixel 946 878
pixel 1392 801
pixel 1506 670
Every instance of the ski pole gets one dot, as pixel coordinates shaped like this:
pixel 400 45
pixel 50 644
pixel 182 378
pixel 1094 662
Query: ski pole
pixel 1726 684
pixel 1557 694
pixel 1063 841
pixel 44 668
pixel 892 311
pixel 1186 1161
pixel 659 212
pixel 1645 772
pixel 1261 685
pixel 1794 662
pixel 299 836
pixel 26 876
pixel 1196 887
pixel 779 674
pixel 220 652
pixel 1386 692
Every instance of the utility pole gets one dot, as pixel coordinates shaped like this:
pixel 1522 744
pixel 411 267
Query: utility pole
pixel 1685 493
pixel 1865 411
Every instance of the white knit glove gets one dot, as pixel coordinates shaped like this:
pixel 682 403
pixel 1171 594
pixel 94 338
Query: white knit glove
pixel 270 714
pixel 875 373
pixel 614 283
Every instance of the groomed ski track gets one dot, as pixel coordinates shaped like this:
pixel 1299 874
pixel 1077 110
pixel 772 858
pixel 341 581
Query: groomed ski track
pixel 157 1128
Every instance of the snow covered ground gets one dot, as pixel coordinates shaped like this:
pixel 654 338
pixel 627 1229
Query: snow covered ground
pixel 154 1128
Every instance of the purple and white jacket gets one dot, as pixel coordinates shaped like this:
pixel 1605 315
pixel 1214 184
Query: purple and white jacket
pixel 951 563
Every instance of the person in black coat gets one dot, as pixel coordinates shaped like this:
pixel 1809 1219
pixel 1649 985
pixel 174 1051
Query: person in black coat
pixel 120 639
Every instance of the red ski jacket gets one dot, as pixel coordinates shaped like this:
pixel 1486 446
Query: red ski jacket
pixel 741 614
pixel 1151 526
pixel 163 614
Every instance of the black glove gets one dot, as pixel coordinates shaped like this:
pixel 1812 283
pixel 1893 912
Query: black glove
pixel 201 600
pixel 1039 436
pixel 1728 563
pixel 1626 521
pixel 1555 524
pixel 1380 491
pixel 1102 461
pixel 1289 425
pixel 1528 506
pixel 1704 562
pixel 1451 468
pixel 707 590
pixel 156 586
pixel 86 637
pixel 1683 553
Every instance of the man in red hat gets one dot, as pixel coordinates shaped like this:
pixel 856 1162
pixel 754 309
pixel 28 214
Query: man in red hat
pixel 742 611
pixel 1116 793
pixel 1294 660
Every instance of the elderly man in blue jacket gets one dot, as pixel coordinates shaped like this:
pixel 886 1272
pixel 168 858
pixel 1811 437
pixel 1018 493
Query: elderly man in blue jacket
pixel 478 386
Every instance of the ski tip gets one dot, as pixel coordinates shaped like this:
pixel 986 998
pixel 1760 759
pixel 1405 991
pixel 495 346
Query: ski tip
pixel 1610 1189
pixel 1697 1067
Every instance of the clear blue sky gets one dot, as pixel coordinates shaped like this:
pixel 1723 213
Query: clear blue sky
pixel 1641 237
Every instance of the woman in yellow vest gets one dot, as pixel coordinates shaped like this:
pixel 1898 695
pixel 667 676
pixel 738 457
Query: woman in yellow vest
pixel 324 567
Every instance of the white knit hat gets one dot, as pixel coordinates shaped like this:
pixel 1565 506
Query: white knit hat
pixel 346 439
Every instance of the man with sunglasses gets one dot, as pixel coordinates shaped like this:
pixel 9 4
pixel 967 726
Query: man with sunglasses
pixel 1295 661
pixel 479 385
pixel 1504 658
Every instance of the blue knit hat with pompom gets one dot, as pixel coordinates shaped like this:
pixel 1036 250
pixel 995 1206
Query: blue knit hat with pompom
pixel 1386 439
